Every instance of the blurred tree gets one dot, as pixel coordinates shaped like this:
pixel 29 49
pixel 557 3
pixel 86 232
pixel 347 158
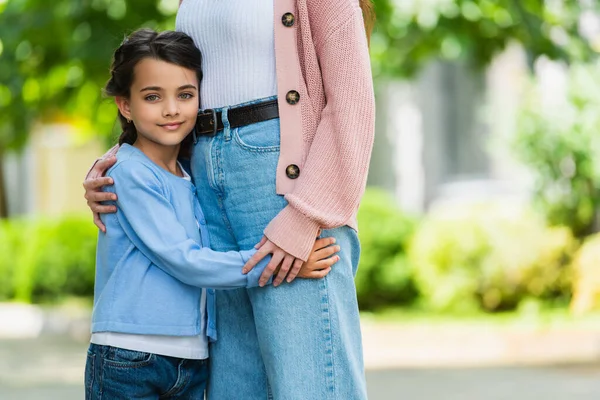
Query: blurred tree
pixel 54 55
pixel 411 32
pixel 54 60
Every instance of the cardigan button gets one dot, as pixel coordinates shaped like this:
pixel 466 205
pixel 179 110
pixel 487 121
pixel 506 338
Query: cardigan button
pixel 292 171
pixel 288 20
pixel 292 97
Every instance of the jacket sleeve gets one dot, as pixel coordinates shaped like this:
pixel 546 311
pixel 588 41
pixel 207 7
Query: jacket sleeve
pixel 150 222
pixel 328 191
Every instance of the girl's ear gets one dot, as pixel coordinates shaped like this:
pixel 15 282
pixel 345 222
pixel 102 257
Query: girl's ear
pixel 123 105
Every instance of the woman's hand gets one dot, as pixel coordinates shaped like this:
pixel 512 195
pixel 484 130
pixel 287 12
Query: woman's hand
pixel 286 265
pixel 320 260
pixel 94 195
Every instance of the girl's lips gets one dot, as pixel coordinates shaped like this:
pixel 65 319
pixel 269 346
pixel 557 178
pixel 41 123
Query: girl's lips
pixel 172 126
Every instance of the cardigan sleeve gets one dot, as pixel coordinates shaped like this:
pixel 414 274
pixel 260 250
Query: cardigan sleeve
pixel 333 177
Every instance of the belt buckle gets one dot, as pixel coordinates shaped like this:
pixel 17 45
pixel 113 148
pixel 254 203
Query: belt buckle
pixel 213 121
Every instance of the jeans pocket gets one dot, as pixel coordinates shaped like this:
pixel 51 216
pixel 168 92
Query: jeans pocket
pixel 89 375
pixel 259 137
pixel 123 358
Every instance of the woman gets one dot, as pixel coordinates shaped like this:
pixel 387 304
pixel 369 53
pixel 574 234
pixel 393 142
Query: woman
pixel 284 142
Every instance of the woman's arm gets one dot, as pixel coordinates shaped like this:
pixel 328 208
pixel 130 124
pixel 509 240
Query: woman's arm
pixel 333 178
pixel 95 181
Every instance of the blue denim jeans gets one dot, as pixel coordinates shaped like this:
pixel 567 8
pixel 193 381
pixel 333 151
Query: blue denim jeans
pixel 297 341
pixel 113 373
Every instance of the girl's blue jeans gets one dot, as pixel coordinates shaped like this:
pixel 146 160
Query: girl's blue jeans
pixel 296 341
pixel 118 374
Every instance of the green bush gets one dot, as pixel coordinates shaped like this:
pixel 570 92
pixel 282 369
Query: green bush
pixel 384 276
pixel 489 257
pixel 45 259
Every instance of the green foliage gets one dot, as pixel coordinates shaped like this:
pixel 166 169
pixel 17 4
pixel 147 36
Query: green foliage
pixel 384 276
pixel 45 259
pixel 558 140
pixel 412 32
pixel 55 55
pixel 486 257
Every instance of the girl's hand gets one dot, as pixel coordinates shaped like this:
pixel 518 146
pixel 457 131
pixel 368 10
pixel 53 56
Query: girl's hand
pixel 285 263
pixel 320 260
pixel 94 195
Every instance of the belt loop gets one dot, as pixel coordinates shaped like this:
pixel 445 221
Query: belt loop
pixel 215 122
pixel 226 125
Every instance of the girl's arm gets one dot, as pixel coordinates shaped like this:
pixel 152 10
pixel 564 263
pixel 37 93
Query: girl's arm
pixel 149 221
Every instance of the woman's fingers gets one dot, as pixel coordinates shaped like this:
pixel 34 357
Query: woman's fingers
pixel 102 166
pixel 326 263
pixel 96 183
pixel 326 252
pixel 283 271
pixel 100 209
pixel 98 222
pixel 324 242
pixel 318 274
pixel 97 197
pixel 295 270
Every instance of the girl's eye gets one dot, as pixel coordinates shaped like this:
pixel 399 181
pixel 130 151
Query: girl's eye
pixel 186 95
pixel 152 97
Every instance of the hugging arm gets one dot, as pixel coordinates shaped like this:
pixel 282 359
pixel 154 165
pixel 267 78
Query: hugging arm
pixel 150 222
pixel 93 184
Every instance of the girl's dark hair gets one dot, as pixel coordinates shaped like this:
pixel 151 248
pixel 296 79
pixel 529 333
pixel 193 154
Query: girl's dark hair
pixel 173 47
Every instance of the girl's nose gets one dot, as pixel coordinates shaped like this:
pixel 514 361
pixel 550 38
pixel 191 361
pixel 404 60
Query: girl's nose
pixel 171 108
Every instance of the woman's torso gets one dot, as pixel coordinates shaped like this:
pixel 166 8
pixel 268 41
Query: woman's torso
pixel 237 44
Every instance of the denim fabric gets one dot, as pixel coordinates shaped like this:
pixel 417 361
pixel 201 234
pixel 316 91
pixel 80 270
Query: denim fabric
pixel 305 335
pixel 113 373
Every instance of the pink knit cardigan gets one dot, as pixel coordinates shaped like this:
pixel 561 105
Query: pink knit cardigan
pixel 321 53
pixel 329 132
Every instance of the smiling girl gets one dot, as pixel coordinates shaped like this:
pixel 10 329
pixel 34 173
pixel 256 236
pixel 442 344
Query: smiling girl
pixel 151 322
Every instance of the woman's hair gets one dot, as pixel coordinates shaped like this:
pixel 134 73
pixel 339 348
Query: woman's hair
pixel 172 47
pixel 368 15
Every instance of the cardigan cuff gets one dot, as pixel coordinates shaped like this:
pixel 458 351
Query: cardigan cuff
pixel 294 232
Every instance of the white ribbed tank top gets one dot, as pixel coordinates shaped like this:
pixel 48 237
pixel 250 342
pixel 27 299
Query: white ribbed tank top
pixel 237 45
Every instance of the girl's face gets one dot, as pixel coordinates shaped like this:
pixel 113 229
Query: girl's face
pixel 163 102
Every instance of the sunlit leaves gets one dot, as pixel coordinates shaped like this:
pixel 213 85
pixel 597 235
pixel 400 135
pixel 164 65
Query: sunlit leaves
pixel 409 33
pixel 55 55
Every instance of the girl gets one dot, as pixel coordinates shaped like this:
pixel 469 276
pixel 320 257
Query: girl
pixel 289 116
pixel 151 323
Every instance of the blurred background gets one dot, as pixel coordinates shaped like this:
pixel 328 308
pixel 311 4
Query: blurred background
pixel 480 268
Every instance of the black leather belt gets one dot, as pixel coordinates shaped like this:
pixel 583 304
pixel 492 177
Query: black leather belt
pixel 209 121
